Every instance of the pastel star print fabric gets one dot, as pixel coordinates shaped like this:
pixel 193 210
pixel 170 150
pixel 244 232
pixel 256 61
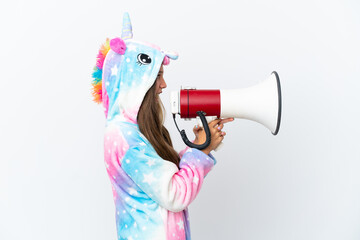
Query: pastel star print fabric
pixel 151 194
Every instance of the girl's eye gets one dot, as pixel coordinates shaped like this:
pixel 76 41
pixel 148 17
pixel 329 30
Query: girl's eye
pixel 144 59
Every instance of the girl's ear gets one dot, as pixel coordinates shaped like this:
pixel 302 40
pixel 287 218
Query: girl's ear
pixel 118 46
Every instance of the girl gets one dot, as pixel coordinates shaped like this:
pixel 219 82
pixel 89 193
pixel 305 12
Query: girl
pixel 152 184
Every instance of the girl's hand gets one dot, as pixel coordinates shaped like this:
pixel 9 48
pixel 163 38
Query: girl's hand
pixel 217 135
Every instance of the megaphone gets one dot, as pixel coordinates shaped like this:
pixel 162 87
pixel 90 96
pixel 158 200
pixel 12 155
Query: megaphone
pixel 260 103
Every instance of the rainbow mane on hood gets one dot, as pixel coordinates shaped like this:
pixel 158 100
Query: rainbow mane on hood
pixel 97 72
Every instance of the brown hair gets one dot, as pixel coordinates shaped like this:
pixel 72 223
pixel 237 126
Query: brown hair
pixel 150 120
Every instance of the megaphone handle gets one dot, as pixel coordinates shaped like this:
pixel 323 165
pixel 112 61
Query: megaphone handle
pixel 207 132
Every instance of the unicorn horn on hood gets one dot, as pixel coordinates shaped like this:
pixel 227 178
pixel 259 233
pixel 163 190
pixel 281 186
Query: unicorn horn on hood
pixel 126 29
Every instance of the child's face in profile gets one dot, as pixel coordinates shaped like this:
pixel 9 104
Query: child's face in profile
pixel 160 82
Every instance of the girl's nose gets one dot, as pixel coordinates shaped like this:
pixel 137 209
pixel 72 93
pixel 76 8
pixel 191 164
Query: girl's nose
pixel 163 84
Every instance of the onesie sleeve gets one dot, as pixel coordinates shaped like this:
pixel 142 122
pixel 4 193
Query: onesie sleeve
pixel 181 153
pixel 171 187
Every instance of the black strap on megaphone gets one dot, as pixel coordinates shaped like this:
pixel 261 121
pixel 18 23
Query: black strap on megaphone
pixel 206 128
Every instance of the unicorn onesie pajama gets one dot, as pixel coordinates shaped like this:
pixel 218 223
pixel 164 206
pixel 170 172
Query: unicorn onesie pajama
pixel 151 194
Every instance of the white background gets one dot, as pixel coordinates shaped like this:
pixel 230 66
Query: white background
pixel 302 184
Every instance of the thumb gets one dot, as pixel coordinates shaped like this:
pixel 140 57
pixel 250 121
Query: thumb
pixel 197 128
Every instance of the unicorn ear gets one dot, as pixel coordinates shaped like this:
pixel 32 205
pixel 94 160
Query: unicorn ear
pixel 127 28
pixel 172 55
pixel 169 55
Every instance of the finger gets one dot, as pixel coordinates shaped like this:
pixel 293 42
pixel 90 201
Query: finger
pixel 220 126
pixel 223 121
pixel 214 130
pixel 218 134
pixel 197 127
pixel 214 122
pixel 195 130
pixel 226 120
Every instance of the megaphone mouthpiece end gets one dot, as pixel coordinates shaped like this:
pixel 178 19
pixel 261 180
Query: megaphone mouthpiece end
pixel 279 102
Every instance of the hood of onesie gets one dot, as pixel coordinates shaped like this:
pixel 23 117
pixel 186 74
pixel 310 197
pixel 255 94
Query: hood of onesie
pixel 125 70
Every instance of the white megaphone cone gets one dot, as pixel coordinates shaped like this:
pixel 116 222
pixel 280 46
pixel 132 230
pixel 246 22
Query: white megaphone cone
pixel 260 103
